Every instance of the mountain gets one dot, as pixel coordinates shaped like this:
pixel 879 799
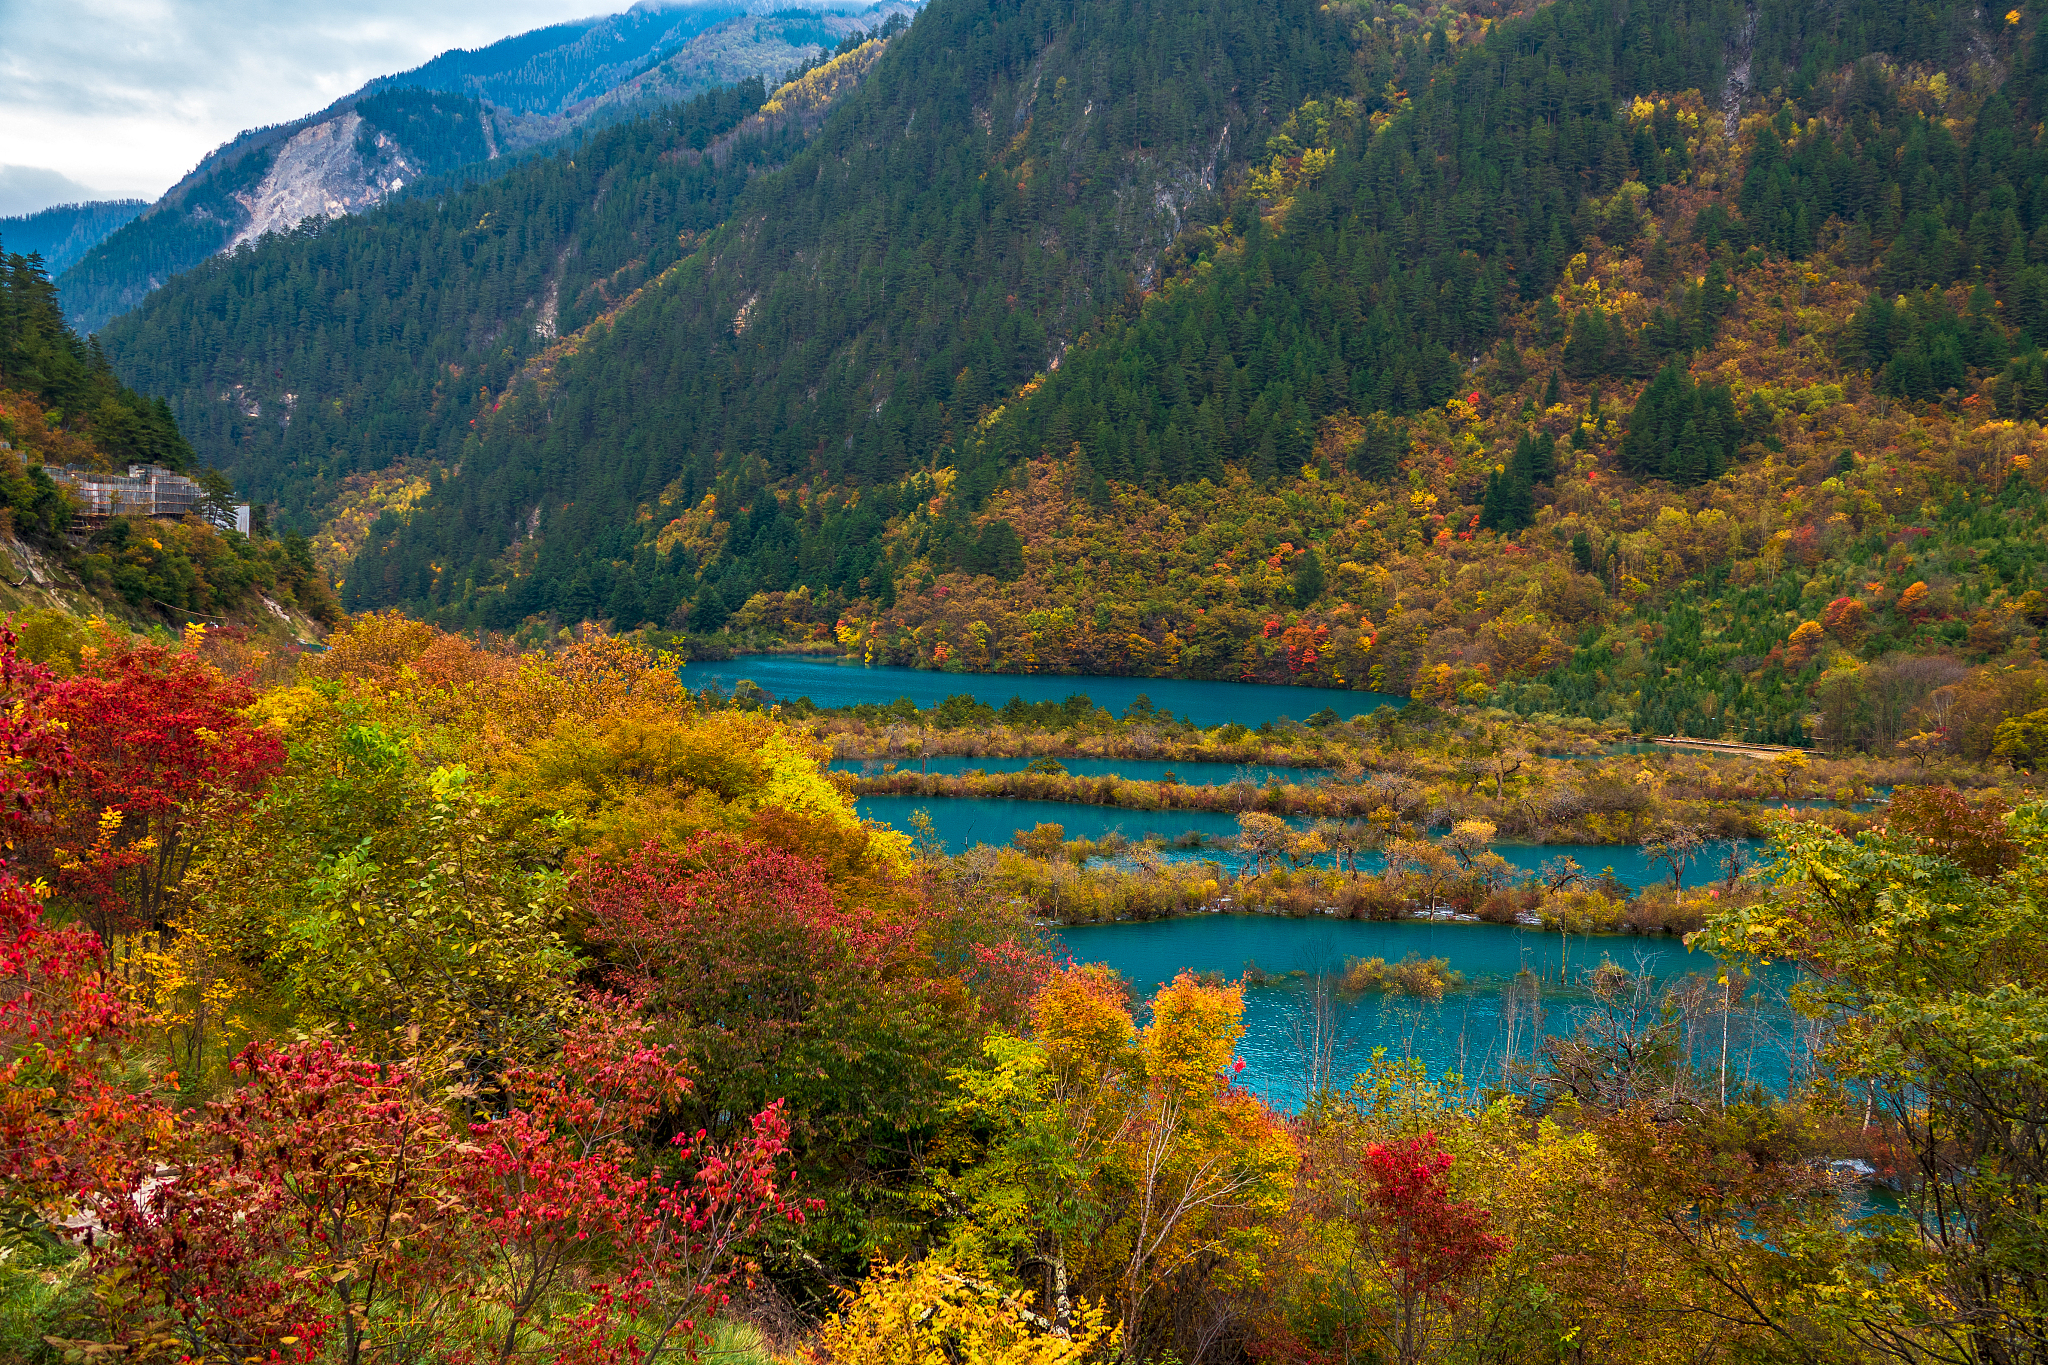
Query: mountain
pixel 349 157
pixel 463 109
pixel 920 253
pixel 442 301
pixel 545 70
pixel 62 234
pixel 1677 365
pixel 869 306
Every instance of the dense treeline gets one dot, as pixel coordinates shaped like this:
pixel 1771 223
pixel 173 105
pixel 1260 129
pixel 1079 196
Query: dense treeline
pixel 435 132
pixel 398 327
pixel 60 401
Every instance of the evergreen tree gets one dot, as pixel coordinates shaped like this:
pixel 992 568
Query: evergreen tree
pixel 1308 577
pixel 1582 552
pixel 1681 431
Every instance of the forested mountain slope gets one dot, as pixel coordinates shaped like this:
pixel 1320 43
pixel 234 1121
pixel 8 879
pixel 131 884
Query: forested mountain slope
pixel 392 331
pixel 1095 209
pixel 847 353
pixel 464 109
pixel 1000 182
pixel 1765 461
pixel 63 233
pixel 1675 364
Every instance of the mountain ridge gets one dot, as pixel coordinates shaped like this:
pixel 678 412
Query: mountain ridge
pixel 1478 381
pixel 521 93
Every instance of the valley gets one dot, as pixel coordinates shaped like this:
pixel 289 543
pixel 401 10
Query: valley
pixel 1046 683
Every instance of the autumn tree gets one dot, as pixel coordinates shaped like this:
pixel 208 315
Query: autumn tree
pixel 160 753
pixel 381 896
pixel 1925 941
pixel 332 1208
pixel 778 986
pixel 1144 1162
pixel 1428 1246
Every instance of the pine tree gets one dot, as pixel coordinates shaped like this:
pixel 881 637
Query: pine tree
pixel 1308 578
pixel 1582 552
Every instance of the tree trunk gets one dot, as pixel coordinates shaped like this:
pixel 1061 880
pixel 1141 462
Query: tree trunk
pixel 1062 1304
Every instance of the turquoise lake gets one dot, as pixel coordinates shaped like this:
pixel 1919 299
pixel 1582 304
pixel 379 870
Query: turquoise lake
pixel 1136 769
pixel 1472 1032
pixel 829 682
pixel 962 822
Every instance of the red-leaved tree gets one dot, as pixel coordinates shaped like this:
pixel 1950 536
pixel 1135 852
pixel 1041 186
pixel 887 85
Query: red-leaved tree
pixel 1429 1245
pixel 60 1025
pixel 560 1191
pixel 157 743
pixel 777 988
pixel 60 1020
pixel 329 1208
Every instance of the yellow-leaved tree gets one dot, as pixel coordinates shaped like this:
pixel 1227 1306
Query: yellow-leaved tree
pixel 933 1313
pixel 1121 1159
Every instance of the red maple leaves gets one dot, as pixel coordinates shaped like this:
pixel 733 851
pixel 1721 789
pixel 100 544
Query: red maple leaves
pixel 156 743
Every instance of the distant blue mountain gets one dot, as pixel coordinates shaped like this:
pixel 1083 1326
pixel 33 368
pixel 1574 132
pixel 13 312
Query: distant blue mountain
pixel 67 231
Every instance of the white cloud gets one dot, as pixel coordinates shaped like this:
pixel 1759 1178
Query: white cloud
pixel 24 189
pixel 128 95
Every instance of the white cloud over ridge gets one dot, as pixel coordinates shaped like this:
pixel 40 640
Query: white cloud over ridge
pixel 126 96
pixel 24 189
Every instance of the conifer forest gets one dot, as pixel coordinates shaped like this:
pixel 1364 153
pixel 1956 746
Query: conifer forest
pixel 1313 682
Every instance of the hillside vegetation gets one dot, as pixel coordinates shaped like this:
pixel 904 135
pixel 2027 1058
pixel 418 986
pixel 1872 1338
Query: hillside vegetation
pixel 594 1020
pixel 1754 381
pixel 60 404
pixel 1657 366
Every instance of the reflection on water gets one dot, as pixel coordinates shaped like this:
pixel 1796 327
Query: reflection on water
pixel 830 682
pixel 1521 986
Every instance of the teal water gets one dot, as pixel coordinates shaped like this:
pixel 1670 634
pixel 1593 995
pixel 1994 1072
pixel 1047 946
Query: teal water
pixel 1136 769
pixel 963 821
pixel 829 683
pixel 1469 1032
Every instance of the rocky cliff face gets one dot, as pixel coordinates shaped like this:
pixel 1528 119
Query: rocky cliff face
pixel 322 170
pixel 461 109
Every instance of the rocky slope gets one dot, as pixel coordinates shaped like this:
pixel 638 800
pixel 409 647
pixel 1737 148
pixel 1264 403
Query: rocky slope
pixel 462 109
pixel 322 170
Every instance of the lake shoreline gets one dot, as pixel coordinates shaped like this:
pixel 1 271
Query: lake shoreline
pixel 1325 798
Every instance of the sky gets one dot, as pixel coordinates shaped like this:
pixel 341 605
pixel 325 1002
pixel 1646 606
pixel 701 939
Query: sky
pixel 115 99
